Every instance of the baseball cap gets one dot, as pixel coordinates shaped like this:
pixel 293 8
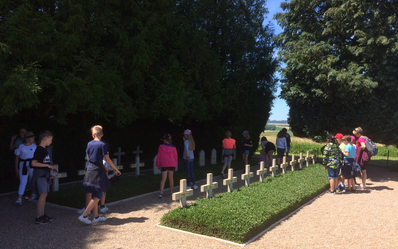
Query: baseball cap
pixel 245 132
pixel 339 135
pixel 353 138
pixel 330 136
pixel 187 131
pixel 29 134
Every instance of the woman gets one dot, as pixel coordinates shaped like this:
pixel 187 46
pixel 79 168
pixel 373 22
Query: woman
pixel 166 161
pixel 281 145
pixel 24 155
pixel 360 155
pixel 189 147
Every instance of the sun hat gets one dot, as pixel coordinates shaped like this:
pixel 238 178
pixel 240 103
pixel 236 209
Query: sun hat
pixel 245 132
pixel 29 134
pixel 339 135
pixel 187 132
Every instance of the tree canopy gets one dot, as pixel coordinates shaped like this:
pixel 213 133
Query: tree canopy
pixel 341 66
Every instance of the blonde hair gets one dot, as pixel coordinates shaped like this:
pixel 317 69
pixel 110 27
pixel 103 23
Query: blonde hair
pixel 190 141
pixel 357 130
pixel 97 130
pixel 228 134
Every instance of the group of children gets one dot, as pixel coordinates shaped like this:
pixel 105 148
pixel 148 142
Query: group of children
pixel 342 159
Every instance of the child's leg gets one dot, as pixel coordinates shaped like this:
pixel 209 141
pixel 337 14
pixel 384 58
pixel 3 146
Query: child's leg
pixel 92 206
pixel 41 203
pixel 163 181
pixel 103 199
pixel 171 180
pixel 88 198
pixel 364 176
pixel 23 180
pixel 353 183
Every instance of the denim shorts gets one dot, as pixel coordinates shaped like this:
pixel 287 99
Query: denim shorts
pixel 333 173
pixel 246 152
pixel 95 192
pixel 42 185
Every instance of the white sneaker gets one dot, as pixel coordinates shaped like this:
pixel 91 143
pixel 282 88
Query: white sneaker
pixel 195 187
pixel 81 211
pixel 362 186
pixel 84 220
pixel 104 209
pixel 96 220
pixel 32 197
pixel 18 202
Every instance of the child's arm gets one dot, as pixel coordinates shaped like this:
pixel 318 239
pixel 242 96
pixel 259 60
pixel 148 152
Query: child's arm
pixel 16 166
pixel 346 153
pixel 109 161
pixel 35 163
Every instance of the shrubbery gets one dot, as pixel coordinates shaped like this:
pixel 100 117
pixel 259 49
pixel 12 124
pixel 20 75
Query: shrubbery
pixel 240 215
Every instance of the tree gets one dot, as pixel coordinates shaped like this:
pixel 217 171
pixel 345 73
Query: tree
pixel 341 67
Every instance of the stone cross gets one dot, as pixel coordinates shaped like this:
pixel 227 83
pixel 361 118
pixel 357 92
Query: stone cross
pixel 201 158
pixel 293 162
pixel 307 159
pixel 213 156
pixel 209 186
pixel 137 163
pixel 261 172
pixel 301 160
pixel 230 180
pixel 247 175
pixel 156 171
pixel 314 157
pixel 273 167
pixel 183 194
pixel 284 165
pixel 119 155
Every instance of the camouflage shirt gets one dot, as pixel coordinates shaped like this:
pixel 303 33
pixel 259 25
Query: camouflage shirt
pixel 331 155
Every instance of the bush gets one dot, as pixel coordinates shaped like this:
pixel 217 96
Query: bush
pixel 270 127
pixel 240 215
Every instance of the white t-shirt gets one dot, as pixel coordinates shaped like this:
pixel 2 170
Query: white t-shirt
pixel 26 152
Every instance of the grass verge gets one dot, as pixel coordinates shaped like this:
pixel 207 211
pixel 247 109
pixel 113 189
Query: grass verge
pixel 240 215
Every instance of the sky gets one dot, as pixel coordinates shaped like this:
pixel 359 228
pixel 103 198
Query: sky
pixel 280 109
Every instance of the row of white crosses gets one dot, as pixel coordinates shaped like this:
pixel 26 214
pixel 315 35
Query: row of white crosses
pixel 231 179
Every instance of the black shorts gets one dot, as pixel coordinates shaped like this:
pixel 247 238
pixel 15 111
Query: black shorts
pixel 346 170
pixel 363 167
pixel 167 168
pixel 280 152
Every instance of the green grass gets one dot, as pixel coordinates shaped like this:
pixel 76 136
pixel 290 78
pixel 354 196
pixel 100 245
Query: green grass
pixel 240 215
pixel 135 186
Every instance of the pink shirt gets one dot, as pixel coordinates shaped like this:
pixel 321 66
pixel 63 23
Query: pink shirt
pixel 228 143
pixel 360 140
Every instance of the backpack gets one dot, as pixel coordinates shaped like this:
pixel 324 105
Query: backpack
pixel 371 147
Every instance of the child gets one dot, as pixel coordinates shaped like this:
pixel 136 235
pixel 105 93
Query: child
pixel 23 160
pixel 281 145
pixel 347 171
pixel 229 145
pixel 189 147
pixel 166 161
pixel 269 150
pixel 246 143
pixel 41 176
pixel 96 150
pixel 338 137
pixel 331 160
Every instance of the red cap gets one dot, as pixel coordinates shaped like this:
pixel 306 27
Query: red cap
pixel 339 135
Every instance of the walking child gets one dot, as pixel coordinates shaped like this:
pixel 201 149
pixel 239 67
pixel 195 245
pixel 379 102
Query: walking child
pixel 331 161
pixel 41 176
pixel 246 143
pixel 229 145
pixel 95 152
pixel 166 161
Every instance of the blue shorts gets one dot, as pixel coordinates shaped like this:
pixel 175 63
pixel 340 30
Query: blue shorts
pixel 246 152
pixel 95 192
pixel 333 173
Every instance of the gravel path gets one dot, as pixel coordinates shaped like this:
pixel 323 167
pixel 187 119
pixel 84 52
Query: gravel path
pixel 366 219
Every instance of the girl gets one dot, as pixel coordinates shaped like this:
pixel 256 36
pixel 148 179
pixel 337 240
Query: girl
pixel 189 147
pixel 167 162
pixel 269 149
pixel 281 145
pixel 247 143
pixel 23 160
pixel 347 170
pixel 229 145
pixel 331 160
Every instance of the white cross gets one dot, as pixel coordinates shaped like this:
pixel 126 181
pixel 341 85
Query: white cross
pixel 55 181
pixel 230 180
pixel 273 167
pixel 137 152
pixel 209 186
pixel 261 172
pixel 307 159
pixel 183 194
pixel 301 160
pixel 313 157
pixel 247 175
pixel 293 162
pixel 137 163
pixel 284 165
pixel 119 155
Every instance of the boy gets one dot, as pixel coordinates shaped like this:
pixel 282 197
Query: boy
pixel 349 154
pixel 95 152
pixel 41 176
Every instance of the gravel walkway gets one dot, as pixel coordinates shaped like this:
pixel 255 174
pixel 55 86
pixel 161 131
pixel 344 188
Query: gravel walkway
pixel 366 219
